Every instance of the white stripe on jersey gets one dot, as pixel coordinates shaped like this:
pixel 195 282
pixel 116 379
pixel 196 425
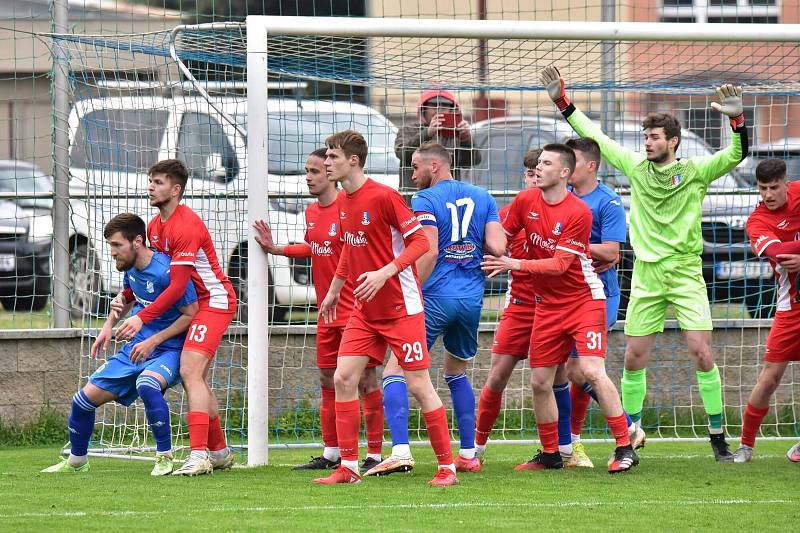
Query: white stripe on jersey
pixel 190 263
pixel 429 217
pixel 764 247
pixel 218 296
pixel 593 281
pixel 412 230
pixel 408 286
pixel 784 300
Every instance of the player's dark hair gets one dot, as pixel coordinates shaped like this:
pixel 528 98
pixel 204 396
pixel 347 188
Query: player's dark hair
pixel 434 149
pixel 770 170
pixel 351 143
pixel 130 225
pixel 175 171
pixel 586 146
pixel 322 153
pixel 566 154
pixel 532 158
pixel 671 125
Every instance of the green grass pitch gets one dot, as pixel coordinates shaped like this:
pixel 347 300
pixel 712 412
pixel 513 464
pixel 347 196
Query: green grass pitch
pixel 678 487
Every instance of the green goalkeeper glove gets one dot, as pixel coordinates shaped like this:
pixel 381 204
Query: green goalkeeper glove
pixel 730 103
pixel 554 83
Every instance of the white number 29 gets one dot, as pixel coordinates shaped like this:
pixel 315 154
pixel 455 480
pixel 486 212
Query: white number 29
pixel 413 352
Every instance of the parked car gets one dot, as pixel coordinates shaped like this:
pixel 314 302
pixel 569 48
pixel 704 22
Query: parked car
pixel 787 149
pixel 26 237
pixel 732 272
pixel 115 140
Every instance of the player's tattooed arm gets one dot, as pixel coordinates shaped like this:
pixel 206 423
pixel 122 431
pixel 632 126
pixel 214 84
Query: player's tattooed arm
pixel 142 350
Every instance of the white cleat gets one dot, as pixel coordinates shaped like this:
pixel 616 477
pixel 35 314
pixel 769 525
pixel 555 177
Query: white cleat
pixel 794 453
pixel 638 438
pixel 743 455
pixel 195 466
pixel 222 462
pixel 391 465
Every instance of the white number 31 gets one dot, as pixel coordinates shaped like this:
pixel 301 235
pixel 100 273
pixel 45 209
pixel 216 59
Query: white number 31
pixel 595 340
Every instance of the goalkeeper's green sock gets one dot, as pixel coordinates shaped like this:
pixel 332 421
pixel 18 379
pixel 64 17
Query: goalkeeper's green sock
pixel 710 385
pixel 634 389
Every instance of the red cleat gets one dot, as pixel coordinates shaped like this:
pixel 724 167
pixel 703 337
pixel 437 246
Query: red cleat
pixel 444 478
pixel 340 475
pixel 467 465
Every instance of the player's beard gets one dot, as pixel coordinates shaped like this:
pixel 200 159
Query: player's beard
pixel 123 266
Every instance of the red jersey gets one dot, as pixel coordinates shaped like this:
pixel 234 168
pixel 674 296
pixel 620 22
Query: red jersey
pixel 324 236
pixel 375 225
pixel 520 285
pixel 185 238
pixel 564 226
pixel 765 227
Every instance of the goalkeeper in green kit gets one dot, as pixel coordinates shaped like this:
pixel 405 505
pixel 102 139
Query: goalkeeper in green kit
pixel 666 202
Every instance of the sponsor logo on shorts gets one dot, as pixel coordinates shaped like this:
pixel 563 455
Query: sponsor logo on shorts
pixel 166 369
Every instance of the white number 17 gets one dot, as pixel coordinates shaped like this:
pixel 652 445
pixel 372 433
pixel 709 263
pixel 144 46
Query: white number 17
pixel 460 228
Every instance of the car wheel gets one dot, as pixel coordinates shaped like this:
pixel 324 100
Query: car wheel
pixel 85 286
pixel 762 304
pixel 238 275
pixel 29 302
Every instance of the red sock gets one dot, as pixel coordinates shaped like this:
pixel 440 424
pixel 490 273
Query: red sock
pixel 348 422
pixel 216 437
pixel 580 405
pixel 548 436
pixel 619 427
pixel 327 417
pixel 488 411
pixel 373 420
pixel 198 430
pixel 439 435
pixel 753 416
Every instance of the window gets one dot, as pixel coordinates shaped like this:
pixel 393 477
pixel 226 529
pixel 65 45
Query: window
pixel 121 140
pixel 206 150
pixel 716 11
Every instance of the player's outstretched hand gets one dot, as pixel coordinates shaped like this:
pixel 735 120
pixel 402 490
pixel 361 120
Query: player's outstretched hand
pixel 494 265
pixel 327 309
pixel 100 342
pixel 371 283
pixel 142 350
pixel 264 236
pixel 129 328
pixel 730 100
pixel 554 83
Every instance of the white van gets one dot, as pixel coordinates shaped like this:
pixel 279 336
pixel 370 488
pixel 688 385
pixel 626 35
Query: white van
pixel 114 140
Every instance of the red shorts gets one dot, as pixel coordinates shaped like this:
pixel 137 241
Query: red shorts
pixel 557 329
pixel 783 342
pixel 513 334
pixel 404 335
pixel 206 331
pixel 328 340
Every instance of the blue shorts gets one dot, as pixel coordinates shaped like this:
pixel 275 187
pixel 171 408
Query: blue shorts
pixel 456 319
pixel 612 308
pixel 118 375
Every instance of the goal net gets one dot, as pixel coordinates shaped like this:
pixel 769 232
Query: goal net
pixel 187 93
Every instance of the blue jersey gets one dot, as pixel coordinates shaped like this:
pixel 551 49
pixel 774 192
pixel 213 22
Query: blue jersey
pixel 608 224
pixel 146 285
pixel 460 211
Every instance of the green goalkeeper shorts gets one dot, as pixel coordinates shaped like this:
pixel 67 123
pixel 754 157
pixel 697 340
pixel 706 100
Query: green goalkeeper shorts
pixel 675 280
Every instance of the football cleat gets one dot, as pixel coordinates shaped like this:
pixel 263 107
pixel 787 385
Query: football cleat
pixel 340 475
pixel 638 438
pixel 318 463
pixel 391 465
pixel 743 455
pixel 467 465
pixel 64 467
pixel 542 461
pixel 222 462
pixel 579 458
pixel 195 466
pixel 794 453
pixel 622 460
pixel 721 452
pixel 368 464
pixel 163 466
pixel 444 478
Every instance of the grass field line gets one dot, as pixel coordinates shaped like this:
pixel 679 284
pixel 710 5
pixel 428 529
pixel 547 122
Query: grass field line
pixel 410 506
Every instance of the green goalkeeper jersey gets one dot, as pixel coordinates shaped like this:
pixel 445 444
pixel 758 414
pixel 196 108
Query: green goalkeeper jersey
pixel 666 202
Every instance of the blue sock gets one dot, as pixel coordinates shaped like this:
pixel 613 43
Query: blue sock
pixel 587 387
pixel 395 408
pixel 564 412
pixel 80 424
pixel 464 408
pixel 156 409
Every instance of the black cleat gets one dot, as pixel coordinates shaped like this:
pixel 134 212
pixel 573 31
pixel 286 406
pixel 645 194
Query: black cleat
pixel 624 459
pixel 721 452
pixel 542 461
pixel 318 463
pixel 368 464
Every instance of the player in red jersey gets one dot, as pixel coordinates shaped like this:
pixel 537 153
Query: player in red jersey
pixel 178 232
pixel 570 302
pixel 382 241
pixel 774 228
pixel 323 245
pixel 513 335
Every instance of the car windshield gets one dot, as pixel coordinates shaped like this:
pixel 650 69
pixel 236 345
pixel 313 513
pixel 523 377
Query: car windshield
pixel 292 136
pixel 25 180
